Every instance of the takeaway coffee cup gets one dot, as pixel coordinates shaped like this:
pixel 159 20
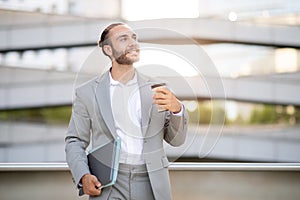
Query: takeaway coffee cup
pixel 154 89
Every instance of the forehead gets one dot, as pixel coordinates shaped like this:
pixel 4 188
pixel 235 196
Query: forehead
pixel 120 30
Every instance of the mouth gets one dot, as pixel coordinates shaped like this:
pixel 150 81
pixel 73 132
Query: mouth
pixel 133 51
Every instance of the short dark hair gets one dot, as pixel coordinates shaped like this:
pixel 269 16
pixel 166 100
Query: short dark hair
pixel 103 40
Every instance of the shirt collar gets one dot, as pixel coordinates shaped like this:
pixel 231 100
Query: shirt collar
pixel 130 82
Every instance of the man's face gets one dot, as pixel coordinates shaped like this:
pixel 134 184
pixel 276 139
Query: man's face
pixel 125 48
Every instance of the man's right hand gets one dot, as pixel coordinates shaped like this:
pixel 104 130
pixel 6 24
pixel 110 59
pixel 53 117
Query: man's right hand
pixel 91 185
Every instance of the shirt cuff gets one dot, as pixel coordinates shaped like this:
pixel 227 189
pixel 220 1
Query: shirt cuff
pixel 180 113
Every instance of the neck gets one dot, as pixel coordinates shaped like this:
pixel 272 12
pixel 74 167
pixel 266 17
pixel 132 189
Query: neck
pixel 122 73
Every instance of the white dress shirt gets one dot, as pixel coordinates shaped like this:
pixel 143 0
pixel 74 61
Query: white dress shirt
pixel 126 109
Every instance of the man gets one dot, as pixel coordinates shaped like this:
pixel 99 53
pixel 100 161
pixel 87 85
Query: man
pixel 120 103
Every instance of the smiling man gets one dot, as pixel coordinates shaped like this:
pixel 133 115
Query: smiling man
pixel 120 103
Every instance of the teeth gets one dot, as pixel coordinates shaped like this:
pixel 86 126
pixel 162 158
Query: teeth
pixel 132 50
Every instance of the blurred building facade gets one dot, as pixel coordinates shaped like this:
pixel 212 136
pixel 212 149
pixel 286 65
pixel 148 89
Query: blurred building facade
pixel 47 47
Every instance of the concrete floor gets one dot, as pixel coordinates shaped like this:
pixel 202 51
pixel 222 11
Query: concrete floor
pixel 229 185
pixel 186 185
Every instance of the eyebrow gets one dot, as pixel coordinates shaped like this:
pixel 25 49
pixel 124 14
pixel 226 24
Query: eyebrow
pixel 126 35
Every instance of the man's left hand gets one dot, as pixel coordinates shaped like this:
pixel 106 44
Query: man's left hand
pixel 167 100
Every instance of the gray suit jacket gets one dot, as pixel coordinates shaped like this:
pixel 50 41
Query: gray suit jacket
pixel 92 122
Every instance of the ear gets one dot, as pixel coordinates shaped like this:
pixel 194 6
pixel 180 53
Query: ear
pixel 108 50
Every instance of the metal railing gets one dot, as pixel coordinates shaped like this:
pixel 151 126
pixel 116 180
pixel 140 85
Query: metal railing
pixel 177 166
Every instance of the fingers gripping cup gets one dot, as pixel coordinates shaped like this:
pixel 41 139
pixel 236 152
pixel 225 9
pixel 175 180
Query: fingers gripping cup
pixel 154 89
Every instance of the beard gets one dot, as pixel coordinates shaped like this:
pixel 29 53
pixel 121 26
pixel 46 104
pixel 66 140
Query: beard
pixel 121 57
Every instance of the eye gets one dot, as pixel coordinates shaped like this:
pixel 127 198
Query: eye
pixel 134 37
pixel 123 39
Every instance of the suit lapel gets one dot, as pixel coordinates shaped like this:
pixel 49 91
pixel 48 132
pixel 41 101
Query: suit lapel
pixel 146 101
pixel 103 99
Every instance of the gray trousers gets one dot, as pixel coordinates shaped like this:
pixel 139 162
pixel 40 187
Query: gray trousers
pixel 132 184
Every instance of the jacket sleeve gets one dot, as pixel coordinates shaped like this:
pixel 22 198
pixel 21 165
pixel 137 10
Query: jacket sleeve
pixel 175 128
pixel 77 139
